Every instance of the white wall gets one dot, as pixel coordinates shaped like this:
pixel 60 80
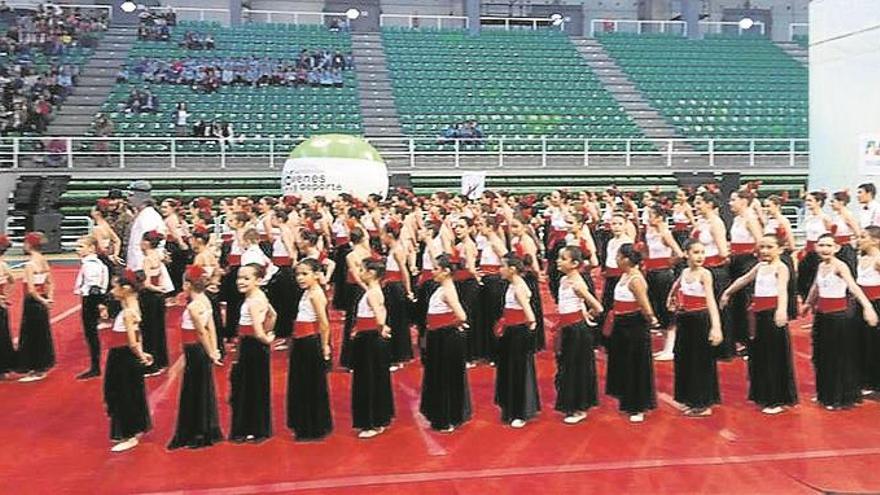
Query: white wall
pixel 844 91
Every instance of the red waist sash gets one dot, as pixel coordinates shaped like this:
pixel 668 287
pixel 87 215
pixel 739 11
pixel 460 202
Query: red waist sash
pixel 713 261
pixel 246 331
pixel 462 275
pixel 742 248
pixel 654 264
pixel 441 320
pixel 365 324
pixel 304 329
pixel 609 272
pixel 764 303
pixel 234 260
pixel 116 339
pixel 871 291
pixel 689 303
pixel 680 226
pixel 569 319
pixel 425 275
pixel 189 336
pixel 626 307
pixel 831 305
pixel 393 277
pixel 512 317
pixel 490 269
pixel 843 240
pixel 282 261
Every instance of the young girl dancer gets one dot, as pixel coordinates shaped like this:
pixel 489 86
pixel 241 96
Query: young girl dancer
pixel 576 383
pixel 249 395
pixel 611 271
pixel 124 393
pixel 744 234
pixel 525 248
pixel 282 289
pixel 815 224
pixel 845 227
pixel 372 402
pixel 36 352
pixel 398 294
pixel 198 424
pixel 466 282
pixel 712 234
pixel 516 383
pixel 492 290
pixel 445 401
pixel 308 397
pixel 771 370
pixel 7 284
pixel 699 330
pixel 869 280
pixel 630 368
pixel 662 251
pixel 156 284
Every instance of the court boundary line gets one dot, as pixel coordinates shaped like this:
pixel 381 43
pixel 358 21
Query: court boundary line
pixel 460 475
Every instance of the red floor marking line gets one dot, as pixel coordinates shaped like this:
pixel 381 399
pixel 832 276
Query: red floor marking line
pixel 160 394
pixel 434 448
pixel 668 400
pixel 424 477
pixel 65 314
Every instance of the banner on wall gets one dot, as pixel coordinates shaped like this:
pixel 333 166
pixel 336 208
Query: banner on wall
pixel 332 164
pixel 473 184
pixel 869 154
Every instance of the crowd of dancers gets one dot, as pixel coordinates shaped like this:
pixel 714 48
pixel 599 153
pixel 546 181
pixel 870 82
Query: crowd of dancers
pixel 467 274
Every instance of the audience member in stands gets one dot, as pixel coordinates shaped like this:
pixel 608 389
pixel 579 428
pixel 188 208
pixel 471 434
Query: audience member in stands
pixel 103 128
pixel 180 118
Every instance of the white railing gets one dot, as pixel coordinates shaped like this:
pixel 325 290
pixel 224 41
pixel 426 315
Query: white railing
pixel 418 20
pixel 291 17
pixel 196 13
pixel 509 23
pixel 72 228
pixel 719 27
pixel 798 29
pixel 107 9
pixel 638 27
pixel 267 153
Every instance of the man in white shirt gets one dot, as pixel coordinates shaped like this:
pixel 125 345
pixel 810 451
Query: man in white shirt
pixel 869 208
pixel 145 220
pixel 91 284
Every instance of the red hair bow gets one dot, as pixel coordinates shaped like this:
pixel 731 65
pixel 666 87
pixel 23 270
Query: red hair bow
pixel 4 241
pixel 200 229
pixel 310 225
pixel 130 276
pixel 291 200
pixel 204 203
pixel 33 238
pixel 194 272
pixel 154 236
pixel 103 204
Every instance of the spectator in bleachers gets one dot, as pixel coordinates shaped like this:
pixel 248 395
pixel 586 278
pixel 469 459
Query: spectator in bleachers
pixel 154 25
pixel 326 78
pixel 336 75
pixel 180 120
pixel 103 128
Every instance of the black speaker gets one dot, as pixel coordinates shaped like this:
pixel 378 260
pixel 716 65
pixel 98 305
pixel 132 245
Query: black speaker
pixel 399 180
pixel 51 189
pixel 50 225
pixel 730 182
pixel 24 196
pixel 694 179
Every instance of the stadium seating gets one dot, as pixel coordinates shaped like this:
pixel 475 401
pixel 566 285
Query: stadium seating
pixel 718 87
pixel 266 111
pixel 525 84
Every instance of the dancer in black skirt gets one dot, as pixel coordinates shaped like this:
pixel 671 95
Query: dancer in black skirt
pixel 836 333
pixel 157 284
pixel 815 224
pixel 282 289
pixel 308 397
pixel 372 402
pixel 446 400
pixel 124 392
pixel 250 382
pixel 744 234
pixel 354 289
pixel 492 290
pixel 576 382
pixel 869 280
pixel 398 294
pixel 846 229
pixel 663 250
pixel 712 234
pixel 435 242
pixel 197 422
pixel 341 233
pixel 207 261
pixel 516 382
pixel 176 243
pixel 524 246
pixel 36 352
pixel 556 227
pixel 682 216
pixel 776 224
pixel 7 283
pixel 230 260
pixel 467 282
pixel 699 330
pixel 771 370
pixel 630 376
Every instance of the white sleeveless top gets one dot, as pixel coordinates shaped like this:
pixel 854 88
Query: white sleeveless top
pixel 363 309
pixel 339 228
pixel 706 238
pixel 611 251
pixel 235 247
pixel 679 216
pixel 435 245
pixel 739 233
pixel 255 255
pixel 510 301
pixel 391 264
pixel 244 318
pixel 765 281
pixel 831 285
pixel 656 247
pixel 488 256
pixel 186 321
pixel 622 292
pixel 843 228
pixel 814 227
pixel 119 323
pixel 868 276
pixel 569 302
pixel 306 311
pixel 557 220
pixel 40 277
pixel 692 288
pixel 279 249
pixel 771 226
pixel 436 304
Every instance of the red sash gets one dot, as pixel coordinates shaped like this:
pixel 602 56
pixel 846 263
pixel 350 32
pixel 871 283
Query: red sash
pixel 189 336
pixel 490 269
pixel 246 331
pixel 234 260
pixel 282 261
pixel 625 307
pixel 437 321
pixel 365 324
pixel 831 305
pixel 742 248
pixel 654 264
pixel 304 329
pixel 425 275
pixel 462 275
pixel 569 319
pixel 713 261
pixel 842 240
pixel 340 241
pixel 692 303
pixel 512 317
pixel 116 339
pixel 609 272
pixel 764 303
pixel 680 226
pixel 871 291
pixel 391 277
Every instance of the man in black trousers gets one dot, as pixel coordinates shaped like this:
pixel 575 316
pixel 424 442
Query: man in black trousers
pixel 91 284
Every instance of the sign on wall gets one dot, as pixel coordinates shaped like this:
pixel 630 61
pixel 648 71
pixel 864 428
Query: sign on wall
pixel 332 164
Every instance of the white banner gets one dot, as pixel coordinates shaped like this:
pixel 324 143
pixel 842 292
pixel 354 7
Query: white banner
pixel 473 184
pixel 869 154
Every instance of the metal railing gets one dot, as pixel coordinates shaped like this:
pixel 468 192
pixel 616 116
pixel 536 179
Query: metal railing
pixel 418 20
pixel 290 17
pixel 72 228
pixel 637 27
pixel 720 27
pixel 196 13
pixel 798 29
pixel 266 153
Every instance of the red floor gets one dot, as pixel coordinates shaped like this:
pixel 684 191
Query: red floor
pixel 55 439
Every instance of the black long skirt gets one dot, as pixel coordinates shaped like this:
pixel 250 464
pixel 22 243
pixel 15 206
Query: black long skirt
pixel 198 424
pixel 469 296
pixel 234 299
pixel 630 364
pixel 601 236
pixel 420 312
pixel 739 302
pixel 531 280
pixel 609 283
pixel 372 402
pixel 179 259
pixel 217 316
pixel 576 382
pixel 250 390
pixel 771 367
pixel 491 303
pixel 399 320
pixel 124 394
pixel 153 328
pixel 516 383
pixel 7 350
pixel 282 291
pixel 553 273
pixel 446 398
pixel 720 283
pixel 36 352
pixel 792 285
pixel 870 357
pixel 696 374
pixel 345 354
pixel 341 297
pixel 836 359
pixel 308 397
pixel 659 284
pixel 806 271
